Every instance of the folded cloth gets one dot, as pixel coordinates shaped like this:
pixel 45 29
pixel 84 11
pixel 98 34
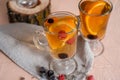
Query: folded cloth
pixel 16 41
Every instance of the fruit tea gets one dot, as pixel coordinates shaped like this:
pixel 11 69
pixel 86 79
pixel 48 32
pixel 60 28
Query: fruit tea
pixel 94 16
pixel 61 33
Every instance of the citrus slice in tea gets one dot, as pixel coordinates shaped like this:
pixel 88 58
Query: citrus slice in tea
pixel 94 19
pixel 60 32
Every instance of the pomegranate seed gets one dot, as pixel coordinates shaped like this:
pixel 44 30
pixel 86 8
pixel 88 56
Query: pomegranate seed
pixel 62 34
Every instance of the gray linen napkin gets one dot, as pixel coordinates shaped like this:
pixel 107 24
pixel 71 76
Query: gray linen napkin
pixel 16 41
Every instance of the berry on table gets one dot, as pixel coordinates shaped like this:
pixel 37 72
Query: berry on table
pixel 52 77
pixel 50 73
pixel 61 77
pixel 47 74
pixel 90 77
pixel 42 72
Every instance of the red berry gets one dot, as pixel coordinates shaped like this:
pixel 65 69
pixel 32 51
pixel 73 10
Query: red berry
pixel 61 77
pixel 90 77
pixel 62 34
pixel 71 40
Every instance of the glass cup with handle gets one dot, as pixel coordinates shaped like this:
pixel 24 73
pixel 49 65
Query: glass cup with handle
pixel 60 31
pixel 94 16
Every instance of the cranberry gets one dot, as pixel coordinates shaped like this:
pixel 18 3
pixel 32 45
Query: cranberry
pixel 62 34
pixel 61 77
pixel 71 40
pixel 90 77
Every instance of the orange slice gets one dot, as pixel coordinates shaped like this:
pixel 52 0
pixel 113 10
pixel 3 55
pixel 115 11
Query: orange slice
pixel 95 21
pixel 54 29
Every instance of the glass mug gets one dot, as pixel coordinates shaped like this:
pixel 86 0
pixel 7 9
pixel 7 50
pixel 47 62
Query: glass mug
pixel 61 29
pixel 94 16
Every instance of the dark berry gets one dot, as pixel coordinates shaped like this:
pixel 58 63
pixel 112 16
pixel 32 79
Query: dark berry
pixel 50 73
pixel 62 55
pixel 52 77
pixel 92 36
pixel 42 72
pixel 50 20
pixel 62 34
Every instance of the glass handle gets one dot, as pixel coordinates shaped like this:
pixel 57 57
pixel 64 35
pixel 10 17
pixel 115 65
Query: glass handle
pixel 78 28
pixel 39 39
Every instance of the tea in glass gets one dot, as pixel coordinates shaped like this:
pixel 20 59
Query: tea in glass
pixel 94 16
pixel 61 35
pixel 61 32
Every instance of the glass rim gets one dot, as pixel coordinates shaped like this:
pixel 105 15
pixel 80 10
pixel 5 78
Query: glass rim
pixel 65 13
pixel 84 12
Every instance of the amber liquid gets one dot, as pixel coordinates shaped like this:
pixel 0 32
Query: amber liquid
pixel 61 34
pixel 94 18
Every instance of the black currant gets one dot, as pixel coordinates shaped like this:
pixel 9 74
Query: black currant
pixel 62 55
pixel 50 20
pixel 92 36
pixel 52 77
pixel 42 72
pixel 50 73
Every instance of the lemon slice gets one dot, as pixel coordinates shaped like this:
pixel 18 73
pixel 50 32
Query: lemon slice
pixel 94 21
